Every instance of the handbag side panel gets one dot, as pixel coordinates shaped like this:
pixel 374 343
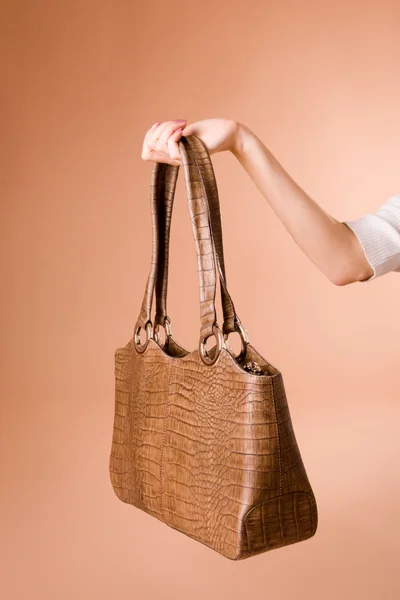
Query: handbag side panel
pixel 292 516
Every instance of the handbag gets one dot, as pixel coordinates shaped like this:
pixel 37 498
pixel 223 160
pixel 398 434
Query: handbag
pixel 203 439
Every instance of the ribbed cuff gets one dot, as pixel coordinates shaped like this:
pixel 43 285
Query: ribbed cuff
pixel 380 241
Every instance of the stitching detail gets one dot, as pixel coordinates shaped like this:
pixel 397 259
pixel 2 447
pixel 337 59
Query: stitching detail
pixel 262 522
pixel 278 437
pixel 310 507
pixel 162 472
pixel 247 535
pixel 280 520
pixel 294 508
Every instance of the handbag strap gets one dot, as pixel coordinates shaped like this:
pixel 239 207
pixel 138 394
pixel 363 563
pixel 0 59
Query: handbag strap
pixel 206 220
pixel 168 175
pixel 165 177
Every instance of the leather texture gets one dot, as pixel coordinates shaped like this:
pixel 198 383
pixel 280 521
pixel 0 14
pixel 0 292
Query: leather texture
pixel 208 449
pixel 163 186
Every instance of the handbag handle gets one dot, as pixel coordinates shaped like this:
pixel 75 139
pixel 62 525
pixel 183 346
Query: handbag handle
pixel 165 176
pixel 163 184
pixel 206 221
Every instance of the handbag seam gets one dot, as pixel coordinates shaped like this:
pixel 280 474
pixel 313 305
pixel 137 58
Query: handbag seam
pixel 162 455
pixel 247 537
pixel 278 438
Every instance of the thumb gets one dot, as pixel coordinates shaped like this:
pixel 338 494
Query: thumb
pixel 190 130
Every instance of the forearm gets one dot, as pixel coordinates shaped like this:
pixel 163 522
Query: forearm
pixel 328 243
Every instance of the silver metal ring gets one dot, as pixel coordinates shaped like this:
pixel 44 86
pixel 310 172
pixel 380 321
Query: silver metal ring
pixel 168 332
pixel 244 340
pixel 220 344
pixel 149 330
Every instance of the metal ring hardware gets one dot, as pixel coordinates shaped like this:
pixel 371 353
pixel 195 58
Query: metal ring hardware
pixel 244 339
pixel 168 332
pixel 149 330
pixel 220 344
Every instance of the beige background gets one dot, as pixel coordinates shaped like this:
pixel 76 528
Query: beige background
pixel 81 83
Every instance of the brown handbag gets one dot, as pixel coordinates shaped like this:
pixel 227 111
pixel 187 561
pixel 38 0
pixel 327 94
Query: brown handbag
pixel 203 439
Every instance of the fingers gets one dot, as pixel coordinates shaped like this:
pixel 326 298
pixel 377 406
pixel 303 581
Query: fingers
pixel 166 139
pixel 166 129
pixel 161 142
pixel 173 147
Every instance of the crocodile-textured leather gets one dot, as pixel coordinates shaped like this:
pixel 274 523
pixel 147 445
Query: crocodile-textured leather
pixel 208 449
pixel 163 186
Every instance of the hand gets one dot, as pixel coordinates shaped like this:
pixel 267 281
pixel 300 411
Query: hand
pixel 161 140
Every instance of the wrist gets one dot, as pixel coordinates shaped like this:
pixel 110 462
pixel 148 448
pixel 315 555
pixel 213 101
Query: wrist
pixel 242 132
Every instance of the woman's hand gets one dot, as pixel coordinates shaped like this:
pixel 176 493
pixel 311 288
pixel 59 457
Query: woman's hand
pixel 161 140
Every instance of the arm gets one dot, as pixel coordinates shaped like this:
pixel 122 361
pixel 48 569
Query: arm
pixel 330 244
pixel 345 251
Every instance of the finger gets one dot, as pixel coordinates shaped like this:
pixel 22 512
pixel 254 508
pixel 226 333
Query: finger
pixel 156 147
pixel 162 157
pixel 152 138
pixel 158 131
pixel 150 131
pixel 169 128
pixel 149 142
pixel 173 147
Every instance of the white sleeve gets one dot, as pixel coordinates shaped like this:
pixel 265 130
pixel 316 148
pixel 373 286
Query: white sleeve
pixel 379 235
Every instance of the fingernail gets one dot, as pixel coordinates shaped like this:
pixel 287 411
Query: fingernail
pixel 179 120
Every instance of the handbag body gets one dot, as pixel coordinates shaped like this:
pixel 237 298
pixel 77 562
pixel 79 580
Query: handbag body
pixel 203 440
